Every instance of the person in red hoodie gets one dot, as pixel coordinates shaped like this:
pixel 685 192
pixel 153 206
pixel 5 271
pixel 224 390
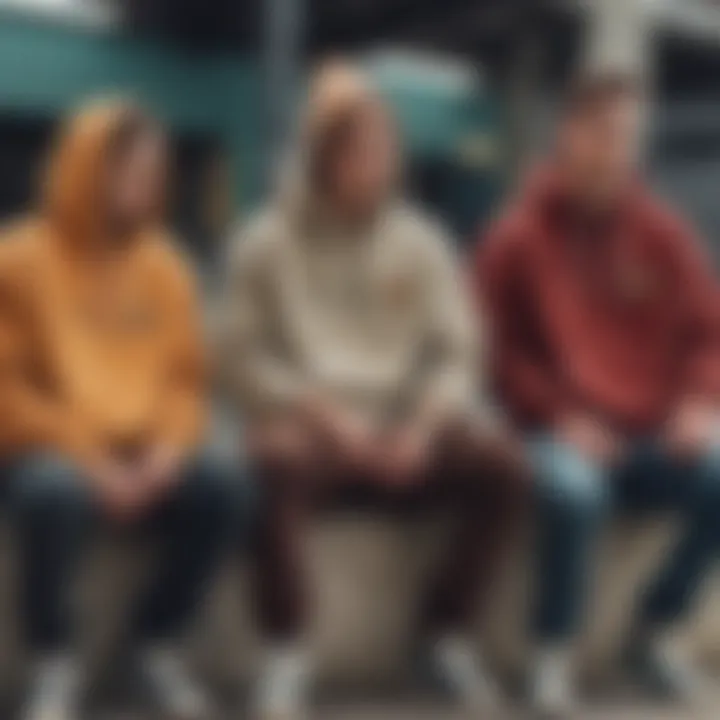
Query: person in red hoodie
pixel 605 316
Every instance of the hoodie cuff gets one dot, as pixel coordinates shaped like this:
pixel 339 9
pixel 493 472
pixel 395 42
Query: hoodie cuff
pixel 75 439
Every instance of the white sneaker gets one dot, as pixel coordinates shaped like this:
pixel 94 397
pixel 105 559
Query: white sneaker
pixel 457 668
pixel 175 692
pixel 553 691
pixel 55 689
pixel 284 684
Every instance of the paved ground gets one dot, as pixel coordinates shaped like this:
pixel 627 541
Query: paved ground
pixel 610 703
pixel 415 711
pixel 409 712
pixel 602 712
pixel 386 713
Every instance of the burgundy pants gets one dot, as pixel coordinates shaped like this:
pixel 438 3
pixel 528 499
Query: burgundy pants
pixel 476 476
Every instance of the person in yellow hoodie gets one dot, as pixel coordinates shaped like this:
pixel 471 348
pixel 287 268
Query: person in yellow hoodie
pixel 102 400
pixel 350 345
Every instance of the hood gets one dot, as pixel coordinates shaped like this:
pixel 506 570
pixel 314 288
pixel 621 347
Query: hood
pixel 73 184
pixel 336 88
pixel 335 91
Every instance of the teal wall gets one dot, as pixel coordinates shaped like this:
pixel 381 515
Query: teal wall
pixel 455 128
pixel 438 120
pixel 46 67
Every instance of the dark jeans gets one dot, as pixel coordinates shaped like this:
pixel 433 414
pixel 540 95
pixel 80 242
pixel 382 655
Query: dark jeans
pixel 575 496
pixel 56 513
pixel 476 476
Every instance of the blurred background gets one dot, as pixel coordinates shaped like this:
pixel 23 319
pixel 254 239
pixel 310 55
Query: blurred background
pixel 473 82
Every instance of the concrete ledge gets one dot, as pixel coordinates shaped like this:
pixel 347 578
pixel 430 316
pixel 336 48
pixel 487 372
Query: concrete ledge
pixel 368 575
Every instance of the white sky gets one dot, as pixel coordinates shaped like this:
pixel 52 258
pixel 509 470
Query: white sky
pixel 91 11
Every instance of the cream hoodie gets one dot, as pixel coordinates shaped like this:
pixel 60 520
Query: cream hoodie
pixel 377 320
pixel 374 318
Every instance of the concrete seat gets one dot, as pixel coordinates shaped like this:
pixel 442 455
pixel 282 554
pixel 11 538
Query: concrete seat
pixel 368 573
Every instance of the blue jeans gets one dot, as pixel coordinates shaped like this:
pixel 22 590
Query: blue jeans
pixel 56 513
pixel 575 496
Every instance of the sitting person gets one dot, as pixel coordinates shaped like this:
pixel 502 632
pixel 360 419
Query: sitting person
pixel 606 320
pixel 102 404
pixel 350 343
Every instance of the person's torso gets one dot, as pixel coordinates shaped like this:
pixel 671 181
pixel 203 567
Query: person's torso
pixel 349 312
pixel 608 310
pixel 101 335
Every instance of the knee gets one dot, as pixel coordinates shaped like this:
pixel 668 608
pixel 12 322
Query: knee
pixel 286 465
pixel 707 493
pixel 498 461
pixel 281 454
pixel 572 505
pixel 490 451
pixel 572 492
pixel 47 486
pixel 512 477
pixel 509 492
pixel 217 491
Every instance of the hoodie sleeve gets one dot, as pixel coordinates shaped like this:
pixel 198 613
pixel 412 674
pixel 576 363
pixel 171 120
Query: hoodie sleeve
pixel 184 410
pixel 450 383
pixel 522 373
pixel 257 376
pixel 698 285
pixel 29 418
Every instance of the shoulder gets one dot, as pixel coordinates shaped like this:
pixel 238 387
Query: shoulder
pixel 422 237
pixel 664 226
pixel 512 230
pixel 415 224
pixel 259 240
pixel 507 241
pixel 655 211
pixel 20 250
pixel 170 264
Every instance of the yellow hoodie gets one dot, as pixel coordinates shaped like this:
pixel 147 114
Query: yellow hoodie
pixel 96 355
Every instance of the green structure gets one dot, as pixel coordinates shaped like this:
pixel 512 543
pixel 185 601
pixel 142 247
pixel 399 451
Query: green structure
pixel 449 122
pixel 452 128
pixel 46 67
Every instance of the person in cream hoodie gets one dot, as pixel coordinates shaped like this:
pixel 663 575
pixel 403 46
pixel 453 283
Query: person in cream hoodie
pixel 102 402
pixel 350 347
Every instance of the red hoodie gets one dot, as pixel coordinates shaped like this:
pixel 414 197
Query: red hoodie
pixel 619 317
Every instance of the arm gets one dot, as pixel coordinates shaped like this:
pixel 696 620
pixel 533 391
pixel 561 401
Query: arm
pixel 701 378
pixel 257 376
pixel 30 418
pixel 448 385
pixel 692 422
pixel 184 408
pixel 524 374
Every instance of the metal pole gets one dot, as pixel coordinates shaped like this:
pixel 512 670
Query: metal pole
pixel 527 111
pixel 284 36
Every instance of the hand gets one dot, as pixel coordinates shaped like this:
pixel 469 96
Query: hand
pixel 405 456
pixel 690 430
pixel 590 437
pixel 159 469
pixel 346 433
pixel 118 490
pixel 286 439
